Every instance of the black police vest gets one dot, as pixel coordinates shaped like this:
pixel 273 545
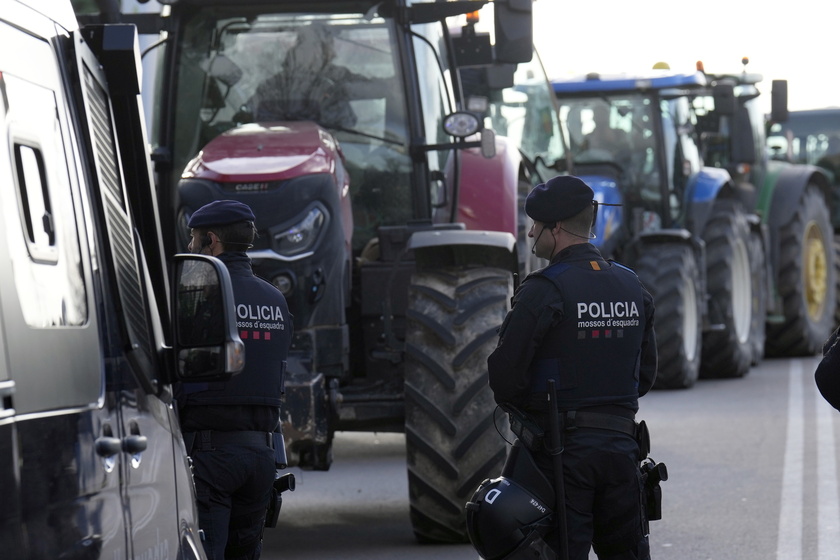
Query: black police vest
pixel 593 353
pixel 265 327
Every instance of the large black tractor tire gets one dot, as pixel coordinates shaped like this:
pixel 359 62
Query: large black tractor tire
pixel 806 280
pixel 727 350
pixel 670 274
pixel 760 277
pixel 452 441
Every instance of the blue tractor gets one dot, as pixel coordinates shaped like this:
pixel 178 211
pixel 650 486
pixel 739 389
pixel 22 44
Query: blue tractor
pixel 681 225
pixel 735 247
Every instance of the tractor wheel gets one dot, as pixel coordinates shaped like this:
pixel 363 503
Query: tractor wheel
pixel 760 293
pixel 727 350
pixel 670 274
pixel 452 442
pixel 805 280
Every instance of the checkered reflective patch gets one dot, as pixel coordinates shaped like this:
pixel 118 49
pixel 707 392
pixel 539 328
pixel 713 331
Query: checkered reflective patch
pixel 598 333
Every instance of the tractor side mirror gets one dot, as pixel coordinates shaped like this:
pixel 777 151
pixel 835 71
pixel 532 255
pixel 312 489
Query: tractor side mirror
pixel 514 21
pixel 724 97
pixel 779 101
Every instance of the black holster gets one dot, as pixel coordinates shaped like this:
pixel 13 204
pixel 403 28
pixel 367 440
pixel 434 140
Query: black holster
pixel 652 474
pixel 281 484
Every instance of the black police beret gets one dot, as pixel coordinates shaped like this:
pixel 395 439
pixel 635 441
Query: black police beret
pixel 558 199
pixel 220 213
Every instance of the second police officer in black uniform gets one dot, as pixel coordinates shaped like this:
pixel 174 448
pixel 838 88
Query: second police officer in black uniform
pixel 586 323
pixel 228 426
pixel 827 375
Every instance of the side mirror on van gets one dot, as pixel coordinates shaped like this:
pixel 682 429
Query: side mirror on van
pixel 206 342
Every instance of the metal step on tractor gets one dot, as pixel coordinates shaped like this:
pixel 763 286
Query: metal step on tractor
pixel 733 246
pixel 388 214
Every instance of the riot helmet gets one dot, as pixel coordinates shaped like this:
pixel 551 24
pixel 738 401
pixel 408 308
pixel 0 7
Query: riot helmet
pixel 506 521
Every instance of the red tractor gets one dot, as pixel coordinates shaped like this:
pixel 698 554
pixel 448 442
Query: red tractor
pixel 387 215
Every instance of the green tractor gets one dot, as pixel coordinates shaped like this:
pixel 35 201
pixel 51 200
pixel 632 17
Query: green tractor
pixel 795 201
pixel 813 137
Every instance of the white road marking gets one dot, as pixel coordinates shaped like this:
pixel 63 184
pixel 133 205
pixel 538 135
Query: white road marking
pixel 828 509
pixel 789 545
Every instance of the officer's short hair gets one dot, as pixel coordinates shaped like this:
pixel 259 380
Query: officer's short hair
pixel 581 223
pixel 240 233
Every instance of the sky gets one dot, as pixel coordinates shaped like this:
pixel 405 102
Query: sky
pixel 793 40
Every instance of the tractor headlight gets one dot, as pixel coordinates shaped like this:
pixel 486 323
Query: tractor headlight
pixel 461 124
pixel 302 236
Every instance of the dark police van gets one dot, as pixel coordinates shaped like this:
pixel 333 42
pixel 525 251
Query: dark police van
pixel 96 322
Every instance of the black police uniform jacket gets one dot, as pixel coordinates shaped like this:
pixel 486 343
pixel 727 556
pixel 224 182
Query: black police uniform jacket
pixel 827 374
pixel 265 327
pixel 586 323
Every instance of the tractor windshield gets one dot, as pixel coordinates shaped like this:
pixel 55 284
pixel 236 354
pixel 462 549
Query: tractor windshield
pixel 615 134
pixel 527 114
pixel 808 137
pixel 338 70
pixel 680 152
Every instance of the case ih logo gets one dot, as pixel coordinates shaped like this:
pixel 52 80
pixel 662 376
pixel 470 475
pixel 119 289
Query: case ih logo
pixel 250 187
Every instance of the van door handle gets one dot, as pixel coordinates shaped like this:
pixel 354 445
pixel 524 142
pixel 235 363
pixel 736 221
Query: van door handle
pixel 135 444
pixel 7 408
pixel 108 446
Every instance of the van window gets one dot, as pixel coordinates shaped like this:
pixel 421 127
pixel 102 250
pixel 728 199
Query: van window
pixel 35 204
pixel 47 264
pixel 51 335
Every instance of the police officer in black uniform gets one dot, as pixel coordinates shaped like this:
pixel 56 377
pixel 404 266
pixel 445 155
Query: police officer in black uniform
pixel 586 323
pixel 827 375
pixel 228 427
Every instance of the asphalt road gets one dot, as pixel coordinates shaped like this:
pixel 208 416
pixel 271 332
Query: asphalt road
pixel 752 465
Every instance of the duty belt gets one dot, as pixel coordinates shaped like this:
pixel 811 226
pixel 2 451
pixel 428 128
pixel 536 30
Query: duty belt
pixel 574 419
pixel 533 435
pixel 209 439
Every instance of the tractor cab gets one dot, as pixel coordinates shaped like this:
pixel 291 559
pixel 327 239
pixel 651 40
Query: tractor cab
pixel 634 140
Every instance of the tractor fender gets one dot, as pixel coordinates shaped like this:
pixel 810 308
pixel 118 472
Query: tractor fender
pixel 704 188
pixel 435 249
pixel 781 193
pixel 650 238
pixel 487 197
pixel 785 183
